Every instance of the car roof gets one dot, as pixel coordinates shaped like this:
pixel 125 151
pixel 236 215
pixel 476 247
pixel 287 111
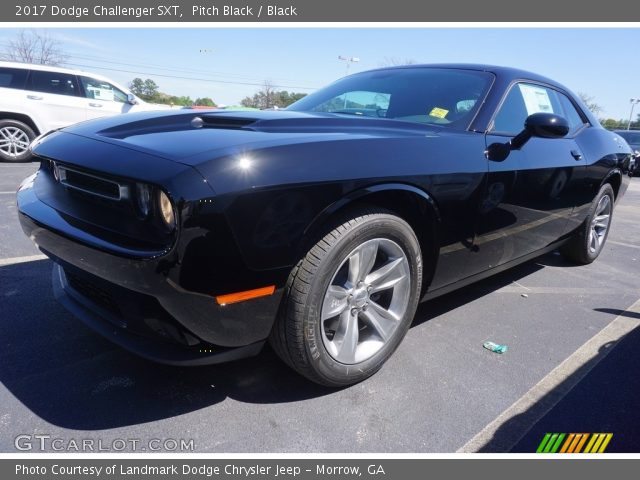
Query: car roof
pixel 506 73
pixel 50 68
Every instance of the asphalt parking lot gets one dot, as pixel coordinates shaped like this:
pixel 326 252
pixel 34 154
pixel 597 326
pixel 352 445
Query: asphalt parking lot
pixel 573 352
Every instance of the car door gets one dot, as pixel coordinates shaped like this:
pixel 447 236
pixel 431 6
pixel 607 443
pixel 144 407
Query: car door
pixel 531 194
pixel 55 96
pixel 103 98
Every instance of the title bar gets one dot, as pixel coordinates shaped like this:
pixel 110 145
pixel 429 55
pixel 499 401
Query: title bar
pixel 70 11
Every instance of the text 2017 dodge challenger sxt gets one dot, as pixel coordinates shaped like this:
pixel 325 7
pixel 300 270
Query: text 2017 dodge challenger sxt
pixel 194 237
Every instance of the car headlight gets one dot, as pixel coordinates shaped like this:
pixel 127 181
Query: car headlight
pixel 166 210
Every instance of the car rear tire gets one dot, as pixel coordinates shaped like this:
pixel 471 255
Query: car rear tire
pixel 350 301
pixel 588 240
pixel 15 138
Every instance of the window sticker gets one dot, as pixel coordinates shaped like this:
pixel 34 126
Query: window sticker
pixel 101 93
pixel 438 112
pixel 536 99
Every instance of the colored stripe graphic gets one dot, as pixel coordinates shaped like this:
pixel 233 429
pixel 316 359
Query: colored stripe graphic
pixel 567 443
pixel 606 442
pixel 581 443
pixel 574 443
pixel 543 443
pixel 593 439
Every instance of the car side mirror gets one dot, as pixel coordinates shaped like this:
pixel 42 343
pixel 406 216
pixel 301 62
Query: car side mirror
pixel 541 125
pixel 131 99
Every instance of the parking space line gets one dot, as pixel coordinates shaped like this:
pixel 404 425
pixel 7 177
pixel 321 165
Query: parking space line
pixel 622 244
pixel 8 193
pixel 565 290
pixel 549 391
pixel 14 260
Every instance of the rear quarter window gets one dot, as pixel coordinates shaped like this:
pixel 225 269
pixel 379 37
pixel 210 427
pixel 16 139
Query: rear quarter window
pixel 12 77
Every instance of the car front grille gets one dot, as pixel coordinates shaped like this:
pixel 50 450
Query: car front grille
pixel 93 292
pixel 89 183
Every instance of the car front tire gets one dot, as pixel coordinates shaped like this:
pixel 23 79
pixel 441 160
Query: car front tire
pixel 588 241
pixel 15 138
pixel 350 301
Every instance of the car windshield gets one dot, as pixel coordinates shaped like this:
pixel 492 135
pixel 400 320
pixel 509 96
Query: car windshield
pixel 632 138
pixel 435 96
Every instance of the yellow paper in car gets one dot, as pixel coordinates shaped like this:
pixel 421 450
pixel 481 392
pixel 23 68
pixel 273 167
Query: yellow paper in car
pixel 438 112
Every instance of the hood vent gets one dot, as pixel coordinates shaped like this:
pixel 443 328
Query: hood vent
pixel 223 122
pixel 87 183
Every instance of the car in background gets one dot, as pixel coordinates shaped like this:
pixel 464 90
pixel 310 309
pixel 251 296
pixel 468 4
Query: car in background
pixel 35 99
pixel 632 137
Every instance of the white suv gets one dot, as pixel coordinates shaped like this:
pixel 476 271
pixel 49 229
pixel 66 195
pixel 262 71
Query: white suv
pixel 35 99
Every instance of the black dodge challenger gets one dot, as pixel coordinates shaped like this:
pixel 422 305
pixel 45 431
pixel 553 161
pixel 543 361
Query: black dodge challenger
pixel 193 237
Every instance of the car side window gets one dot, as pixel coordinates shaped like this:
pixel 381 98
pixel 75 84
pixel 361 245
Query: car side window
pixel 512 113
pixel 570 113
pixel 53 82
pixel 101 90
pixel 13 77
pixel 525 99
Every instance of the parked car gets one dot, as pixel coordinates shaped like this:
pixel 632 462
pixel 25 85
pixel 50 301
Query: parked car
pixel 35 99
pixel 632 137
pixel 193 237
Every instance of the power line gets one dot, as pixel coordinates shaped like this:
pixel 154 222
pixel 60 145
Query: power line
pixel 188 78
pixel 178 77
pixel 160 67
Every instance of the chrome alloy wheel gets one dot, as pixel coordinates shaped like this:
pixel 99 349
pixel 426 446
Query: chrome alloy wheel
pixel 365 301
pixel 600 224
pixel 13 141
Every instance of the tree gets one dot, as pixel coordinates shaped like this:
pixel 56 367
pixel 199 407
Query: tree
pixel 206 102
pixel 588 100
pixel 34 47
pixel 269 97
pixel 149 91
pixel 145 89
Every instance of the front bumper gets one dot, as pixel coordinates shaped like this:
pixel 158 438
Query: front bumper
pixel 133 301
pixel 110 326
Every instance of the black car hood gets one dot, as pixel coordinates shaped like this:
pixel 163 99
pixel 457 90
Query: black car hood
pixel 191 137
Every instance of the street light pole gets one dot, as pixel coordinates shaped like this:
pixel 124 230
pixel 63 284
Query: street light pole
pixel 633 102
pixel 349 61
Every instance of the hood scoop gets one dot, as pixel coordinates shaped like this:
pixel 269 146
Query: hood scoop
pixel 222 122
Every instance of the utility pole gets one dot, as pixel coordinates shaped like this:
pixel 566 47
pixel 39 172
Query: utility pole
pixel 634 102
pixel 349 61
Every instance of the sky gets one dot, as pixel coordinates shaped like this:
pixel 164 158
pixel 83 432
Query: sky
pixel 228 64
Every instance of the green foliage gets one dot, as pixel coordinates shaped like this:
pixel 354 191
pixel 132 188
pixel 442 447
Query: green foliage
pixel 145 89
pixel 205 102
pixel 149 91
pixel 267 97
pixel 612 124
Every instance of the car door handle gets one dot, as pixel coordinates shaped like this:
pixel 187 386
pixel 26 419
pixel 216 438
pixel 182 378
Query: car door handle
pixel 576 154
pixel 34 97
pixel 97 105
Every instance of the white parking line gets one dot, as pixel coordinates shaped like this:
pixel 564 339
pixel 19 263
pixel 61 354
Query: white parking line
pixel 549 391
pixel 14 260
pixel 565 290
pixel 8 193
pixel 622 244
